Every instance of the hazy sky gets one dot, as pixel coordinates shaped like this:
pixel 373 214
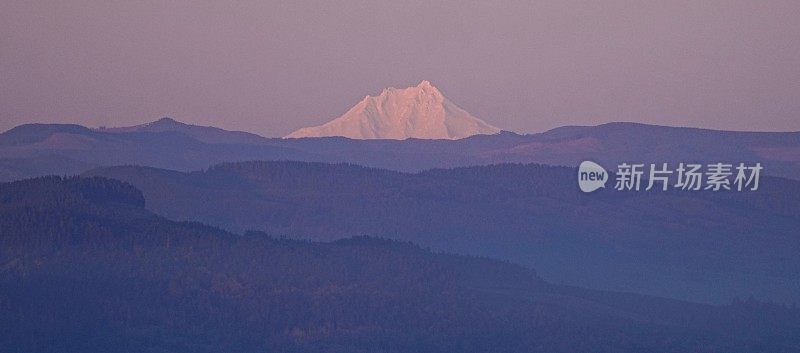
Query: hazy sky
pixel 273 66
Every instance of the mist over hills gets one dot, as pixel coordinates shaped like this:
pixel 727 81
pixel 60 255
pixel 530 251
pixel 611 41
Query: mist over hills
pixel 28 150
pixel 638 240
pixel 700 246
pixel 87 267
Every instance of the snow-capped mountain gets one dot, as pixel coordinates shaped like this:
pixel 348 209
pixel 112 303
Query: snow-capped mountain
pixel 415 112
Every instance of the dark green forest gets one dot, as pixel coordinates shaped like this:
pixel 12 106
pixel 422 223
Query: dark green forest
pixel 698 246
pixel 84 267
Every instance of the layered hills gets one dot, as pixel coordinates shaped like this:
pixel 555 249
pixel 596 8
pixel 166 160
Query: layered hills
pixel 701 246
pixel 41 149
pixel 86 268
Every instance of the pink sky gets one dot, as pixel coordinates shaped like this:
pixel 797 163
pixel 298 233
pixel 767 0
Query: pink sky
pixel 273 66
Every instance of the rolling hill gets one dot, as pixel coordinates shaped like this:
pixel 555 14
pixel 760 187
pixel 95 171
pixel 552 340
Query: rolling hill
pixel 86 268
pixel 700 246
pixel 173 145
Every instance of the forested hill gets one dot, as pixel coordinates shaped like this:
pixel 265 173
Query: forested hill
pixel 84 268
pixel 698 246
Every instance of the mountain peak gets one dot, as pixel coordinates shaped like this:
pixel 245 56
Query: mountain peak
pixel 420 111
pixel 426 84
pixel 165 121
pixel 425 87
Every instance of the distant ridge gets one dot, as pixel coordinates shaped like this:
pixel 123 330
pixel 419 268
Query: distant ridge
pixel 421 112
pixel 207 134
pixel 37 132
pixel 42 149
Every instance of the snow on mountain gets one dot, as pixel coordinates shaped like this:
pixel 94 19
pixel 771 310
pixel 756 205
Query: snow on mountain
pixel 420 112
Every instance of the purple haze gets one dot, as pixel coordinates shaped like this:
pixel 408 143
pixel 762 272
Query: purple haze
pixel 271 67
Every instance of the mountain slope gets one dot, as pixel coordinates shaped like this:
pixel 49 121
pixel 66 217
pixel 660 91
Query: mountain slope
pixel 699 246
pixel 86 269
pixel 420 112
